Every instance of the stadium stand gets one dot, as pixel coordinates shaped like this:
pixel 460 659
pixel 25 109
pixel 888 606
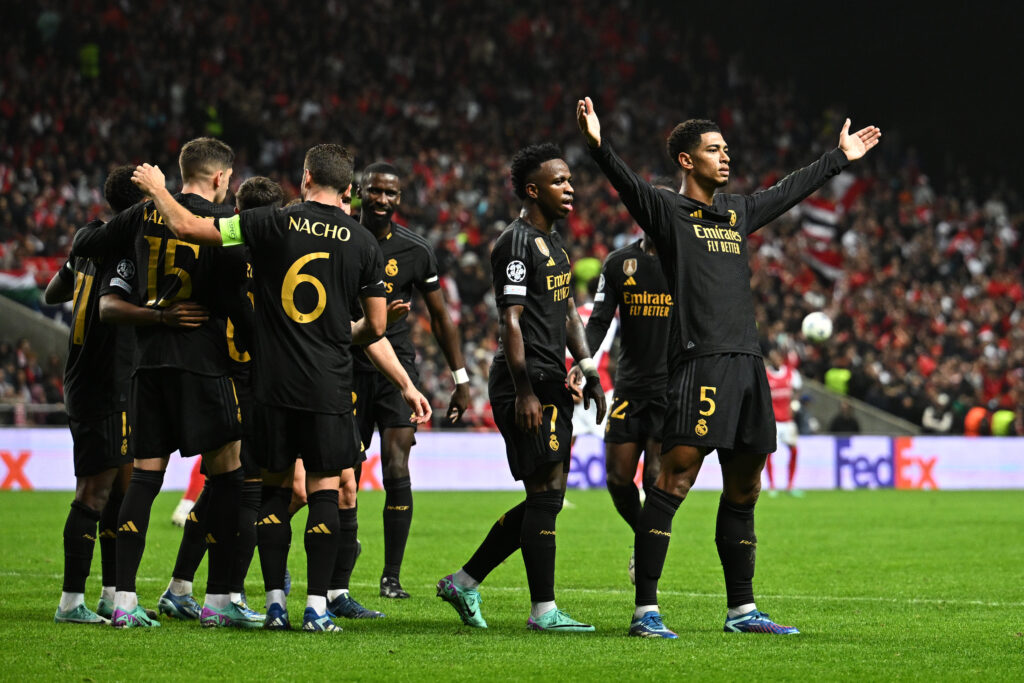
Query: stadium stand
pixel 924 287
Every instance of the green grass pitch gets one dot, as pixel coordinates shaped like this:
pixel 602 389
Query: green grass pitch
pixel 883 584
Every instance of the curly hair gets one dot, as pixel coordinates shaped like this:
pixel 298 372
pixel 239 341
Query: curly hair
pixel 527 160
pixel 119 189
pixel 686 136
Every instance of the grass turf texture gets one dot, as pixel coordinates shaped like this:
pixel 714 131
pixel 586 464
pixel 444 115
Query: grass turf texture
pixel 883 584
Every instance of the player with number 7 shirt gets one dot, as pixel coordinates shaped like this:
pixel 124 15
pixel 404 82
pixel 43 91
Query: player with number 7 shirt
pixel 311 264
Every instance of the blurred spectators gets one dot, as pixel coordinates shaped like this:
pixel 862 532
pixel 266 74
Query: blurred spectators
pixel 26 383
pixel 924 286
pixel 844 421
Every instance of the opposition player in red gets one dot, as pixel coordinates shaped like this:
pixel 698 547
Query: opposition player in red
pixel 783 381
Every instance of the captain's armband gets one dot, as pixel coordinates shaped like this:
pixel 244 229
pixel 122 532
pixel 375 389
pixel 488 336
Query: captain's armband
pixel 231 230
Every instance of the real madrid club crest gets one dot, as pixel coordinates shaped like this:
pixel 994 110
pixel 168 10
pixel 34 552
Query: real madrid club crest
pixel 553 442
pixel 702 427
pixel 732 218
pixel 391 269
pixel 629 266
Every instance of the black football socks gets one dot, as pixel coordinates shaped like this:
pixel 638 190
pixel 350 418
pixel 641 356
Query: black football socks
pixel 222 530
pixel 321 540
pixel 502 540
pixel 79 543
pixel 538 542
pixel 654 530
pixel 274 535
pixel 132 524
pixel 193 538
pixel 248 510
pixel 737 547
pixel 108 535
pixel 627 502
pixel 348 530
pixel 397 520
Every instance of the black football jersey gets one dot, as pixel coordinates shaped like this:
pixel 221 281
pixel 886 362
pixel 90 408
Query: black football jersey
pixel 409 263
pixel 171 270
pixel 632 281
pixel 703 250
pixel 311 263
pixel 96 372
pixel 530 268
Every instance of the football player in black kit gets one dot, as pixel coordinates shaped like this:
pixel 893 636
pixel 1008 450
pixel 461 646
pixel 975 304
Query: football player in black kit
pixel 632 281
pixel 409 263
pixel 718 396
pixel 311 264
pixel 527 388
pixel 182 397
pixel 96 397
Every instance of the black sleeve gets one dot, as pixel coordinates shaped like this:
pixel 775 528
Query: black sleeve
pixel 120 277
pixel 605 301
pixel 371 277
pixel 99 240
pixel 232 271
pixel 428 280
pixel 647 206
pixel 765 206
pixel 509 273
pixel 67 273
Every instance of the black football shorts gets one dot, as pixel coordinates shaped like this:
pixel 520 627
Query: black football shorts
pixel 378 404
pixel 100 444
pixel 179 410
pixel 527 452
pixel 326 442
pixel 634 420
pixel 720 402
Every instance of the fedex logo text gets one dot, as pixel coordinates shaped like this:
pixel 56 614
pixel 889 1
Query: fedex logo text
pixel 881 462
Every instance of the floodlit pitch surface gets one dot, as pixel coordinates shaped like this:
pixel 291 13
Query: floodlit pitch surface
pixel 883 584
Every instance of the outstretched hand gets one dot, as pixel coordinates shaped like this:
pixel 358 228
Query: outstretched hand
pixel 589 125
pixel 857 145
pixel 397 310
pixel 149 179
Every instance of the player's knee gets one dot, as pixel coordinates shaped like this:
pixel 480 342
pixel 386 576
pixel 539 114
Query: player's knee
pixel 93 492
pixel 617 476
pixel 743 493
pixel 396 468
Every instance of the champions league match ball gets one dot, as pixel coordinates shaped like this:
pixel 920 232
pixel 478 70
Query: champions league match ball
pixel 816 327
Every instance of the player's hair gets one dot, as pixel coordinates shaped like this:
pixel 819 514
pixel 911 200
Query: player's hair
pixel 119 189
pixel 527 160
pixel 204 157
pixel 686 136
pixel 258 191
pixel 381 168
pixel 330 165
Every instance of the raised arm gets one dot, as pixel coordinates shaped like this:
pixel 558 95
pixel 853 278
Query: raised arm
pixel 177 218
pixel 447 336
pixel 383 357
pixel 765 206
pixel 643 201
pixel 576 341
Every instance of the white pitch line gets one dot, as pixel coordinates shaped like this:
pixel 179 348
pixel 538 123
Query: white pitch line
pixel 622 591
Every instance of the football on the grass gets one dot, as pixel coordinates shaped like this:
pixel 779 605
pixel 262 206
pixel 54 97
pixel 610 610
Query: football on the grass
pixel 817 327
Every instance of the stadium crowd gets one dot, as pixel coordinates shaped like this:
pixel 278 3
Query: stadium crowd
pixel 924 286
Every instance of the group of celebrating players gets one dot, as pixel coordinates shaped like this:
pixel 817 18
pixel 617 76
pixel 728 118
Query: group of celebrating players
pixel 272 340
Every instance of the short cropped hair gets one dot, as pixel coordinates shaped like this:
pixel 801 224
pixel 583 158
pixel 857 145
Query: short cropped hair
pixel 259 191
pixel 330 165
pixel 527 160
pixel 686 137
pixel 119 189
pixel 204 157
pixel 380 168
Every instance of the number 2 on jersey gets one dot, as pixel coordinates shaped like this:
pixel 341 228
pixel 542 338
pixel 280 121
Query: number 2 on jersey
pixel 292 279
